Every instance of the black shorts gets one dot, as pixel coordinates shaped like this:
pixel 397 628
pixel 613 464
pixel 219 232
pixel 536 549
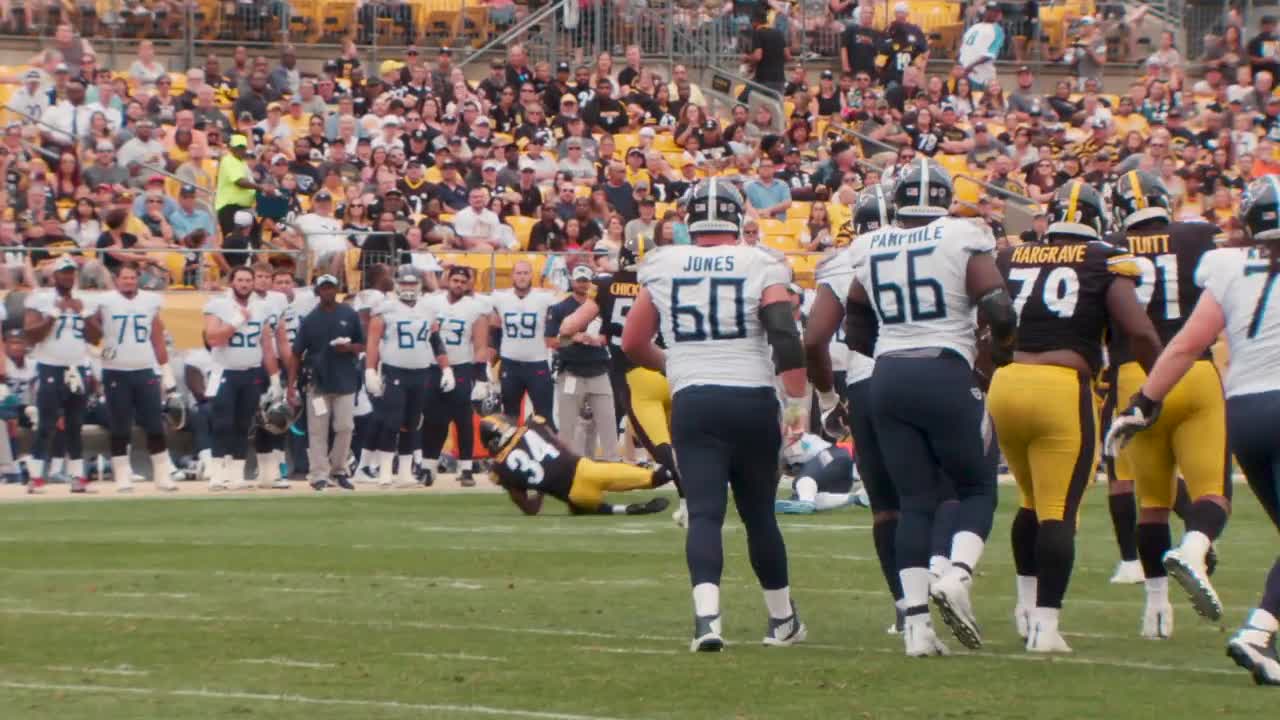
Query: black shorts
pixel 133 396
pixel 404 396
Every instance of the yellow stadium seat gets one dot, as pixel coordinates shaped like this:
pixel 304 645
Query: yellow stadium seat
pixel 795 226
pixel 182 314
pixel 954 164
pixel 839 214
pixel 354 277
pixel 338 19
pixel 623 142
pixel 967 191
pixel 769 226
pixel 799 209
pixel 522 226
pixel 665 143
pixel 804 267
pixel 176 264
pixel 783 242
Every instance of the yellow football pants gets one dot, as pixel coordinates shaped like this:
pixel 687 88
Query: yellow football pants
pixel 1047 423
pixel 649 407
pixel 592 479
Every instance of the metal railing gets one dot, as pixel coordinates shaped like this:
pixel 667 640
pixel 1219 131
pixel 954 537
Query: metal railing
pixel 162 268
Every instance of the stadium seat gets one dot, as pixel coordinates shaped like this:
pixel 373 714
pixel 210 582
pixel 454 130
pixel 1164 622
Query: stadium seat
pixel 769 226
pixel 522 226
pixel 355 279
pixel 954 164
pixel 799 209
pixel 176 264
pixel 783 242
pixel 338 20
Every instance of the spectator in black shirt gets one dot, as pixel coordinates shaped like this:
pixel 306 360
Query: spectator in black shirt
pixel 904 41
pixel 530 193
pixel 451 192
pixel 518 70
pixel 546 234
pixel 604 113
pixel 861 43
pixel 492 85
pixel 769 52
pixel 1264 48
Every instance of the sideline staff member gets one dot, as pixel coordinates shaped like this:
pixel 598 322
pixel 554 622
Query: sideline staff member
pixel 583 361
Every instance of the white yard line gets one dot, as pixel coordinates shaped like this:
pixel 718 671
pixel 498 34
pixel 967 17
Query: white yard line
pixel 559 632
pixel 301 591
pixel 123 670
pixel 286 662
pixel 452 656
pixel 624 651
pixel 167 596
pixel 301 700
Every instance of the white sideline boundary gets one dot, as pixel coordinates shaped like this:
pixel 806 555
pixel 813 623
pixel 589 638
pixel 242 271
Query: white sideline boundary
pixel 123 670
pixel 560 632
pixel 452 656
pixel 297 700
pixel 286 662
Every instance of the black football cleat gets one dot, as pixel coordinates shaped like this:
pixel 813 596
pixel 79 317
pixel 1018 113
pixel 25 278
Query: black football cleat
pixel 467 479
pixel 656 505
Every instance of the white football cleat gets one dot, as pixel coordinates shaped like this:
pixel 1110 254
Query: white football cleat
pixel 1254 650
pixel 124 487
pixel 1194 579
pixel 681 516
pixel 1128 572
pixel 785 632
pixel 706 635
pixel 919 639
pixel 951 594
pixel 1157 622
pixel 1022 621
pixel 1044 638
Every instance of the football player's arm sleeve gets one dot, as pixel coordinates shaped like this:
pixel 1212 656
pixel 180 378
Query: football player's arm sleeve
pixel 495 336
pixel 861 326
pixel 437 343
pixel 996 308
pixel 783 335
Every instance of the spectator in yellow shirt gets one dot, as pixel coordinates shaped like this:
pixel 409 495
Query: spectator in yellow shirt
pixel 296 119
pixel 1126 119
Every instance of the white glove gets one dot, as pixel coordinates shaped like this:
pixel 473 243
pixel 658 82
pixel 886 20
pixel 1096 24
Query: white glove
pixel 447 383
pixel 4 392
pixel 339 341
pixel 73 381
pixel 274 391
pixel 167 381
pixel 237 319
pixel 32 414
pixel 373 382
pixel 834 414
pixel 1140 415
pixel 480 391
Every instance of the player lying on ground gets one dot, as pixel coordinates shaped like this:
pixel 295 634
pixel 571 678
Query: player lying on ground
pixel 532 458
pixel 825 477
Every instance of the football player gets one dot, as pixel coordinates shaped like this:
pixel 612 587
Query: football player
pixel 873 211
pixel 54 323
pixel 825 477
pixel 269 446
pixel 1190 435
pixel 381 283
pixel 236 328
pixel 533 459
pixel 721 306
pixel 128 321
pixel 646 396
pixel 1066 289
pixel 465 333
pixel 1238 284
pixel 912 306
pixel 404 343
pixel 302 300
pixel 520 319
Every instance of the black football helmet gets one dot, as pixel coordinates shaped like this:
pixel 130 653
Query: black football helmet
pixel 175 411
pixel 488 404
pixel 408 284
pixel 1077 212
pixel 633 251
pixel 274 415
pixel 872 211
pixel 924 190
pixel 1139 196
pixel 715 206
pixel 495 431
pixel 1260 209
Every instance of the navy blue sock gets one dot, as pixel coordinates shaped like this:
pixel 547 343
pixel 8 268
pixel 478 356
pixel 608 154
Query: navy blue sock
pixel 882 533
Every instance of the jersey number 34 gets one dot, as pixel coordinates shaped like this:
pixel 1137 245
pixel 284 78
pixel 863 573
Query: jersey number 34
pixel 529 463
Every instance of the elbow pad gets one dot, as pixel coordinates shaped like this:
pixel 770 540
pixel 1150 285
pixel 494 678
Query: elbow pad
pixel 861 328
pixel 997 307
pixel 437 345
pixel 784 336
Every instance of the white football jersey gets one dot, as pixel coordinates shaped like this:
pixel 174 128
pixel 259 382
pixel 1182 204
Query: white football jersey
pixel 1238 279
pixel 915 278
pixel 244 351
pixel 836 272
pixel 126 329
pixel 21 379
pixel 708 301
pixel 368 299
pixel 276 302
pixel 200 360
pixel 523 321
pixel 64 345
pixel 406 334
pixel 304 301
pixel 457 325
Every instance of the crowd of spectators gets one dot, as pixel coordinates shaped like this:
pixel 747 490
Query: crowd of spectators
pixel 408 160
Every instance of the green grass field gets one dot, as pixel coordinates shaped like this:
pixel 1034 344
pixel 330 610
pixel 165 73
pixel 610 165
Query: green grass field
pixel 426 606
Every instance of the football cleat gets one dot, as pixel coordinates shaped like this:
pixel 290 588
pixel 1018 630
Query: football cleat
pixel 365 475
pixel 899 617
pixel 1195 581
pixel 426 477
pixel 654 506
pixel 919 639
pixel 706 634
pixel 342 481
pixel 1157 622
pixel 785 632
pixel 1211 561
pixel 681 516
pixel 794 507
pixel 1044 638
pixel 951 594
pixel 319 484
pixel 125 488
pixel 81 486
pixel 1254 650
pixel 35 486
pixel 1022 621
pixel 467 479
pixel 280 484
pixel 1128 572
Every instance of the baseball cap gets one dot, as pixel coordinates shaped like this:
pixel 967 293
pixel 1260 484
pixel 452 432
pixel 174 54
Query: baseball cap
pixel 62 68
pixel 537 139
pixel 66 262
pixel 827 75
pixel 647 132
pixel 187 190
pixel 243 218
pixel 1024 69
pixel 274 106
pixel 451 118
pixel 497 64
pixel 295 100
pixel 900 7
pixel 562 67
pixel 30 75
pixel 482 120
pixel 322 196
pixel 326 280
pixel 527 169
pixel 278 158
pixel 492 165
pixel 388 66
pixel 568 98
pixel 582 272
pixel 391 121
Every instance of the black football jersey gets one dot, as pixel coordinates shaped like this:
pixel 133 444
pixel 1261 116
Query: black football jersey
pixel 1167 256
pixel 535 459
pixel 1059 293
pixel 615 293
